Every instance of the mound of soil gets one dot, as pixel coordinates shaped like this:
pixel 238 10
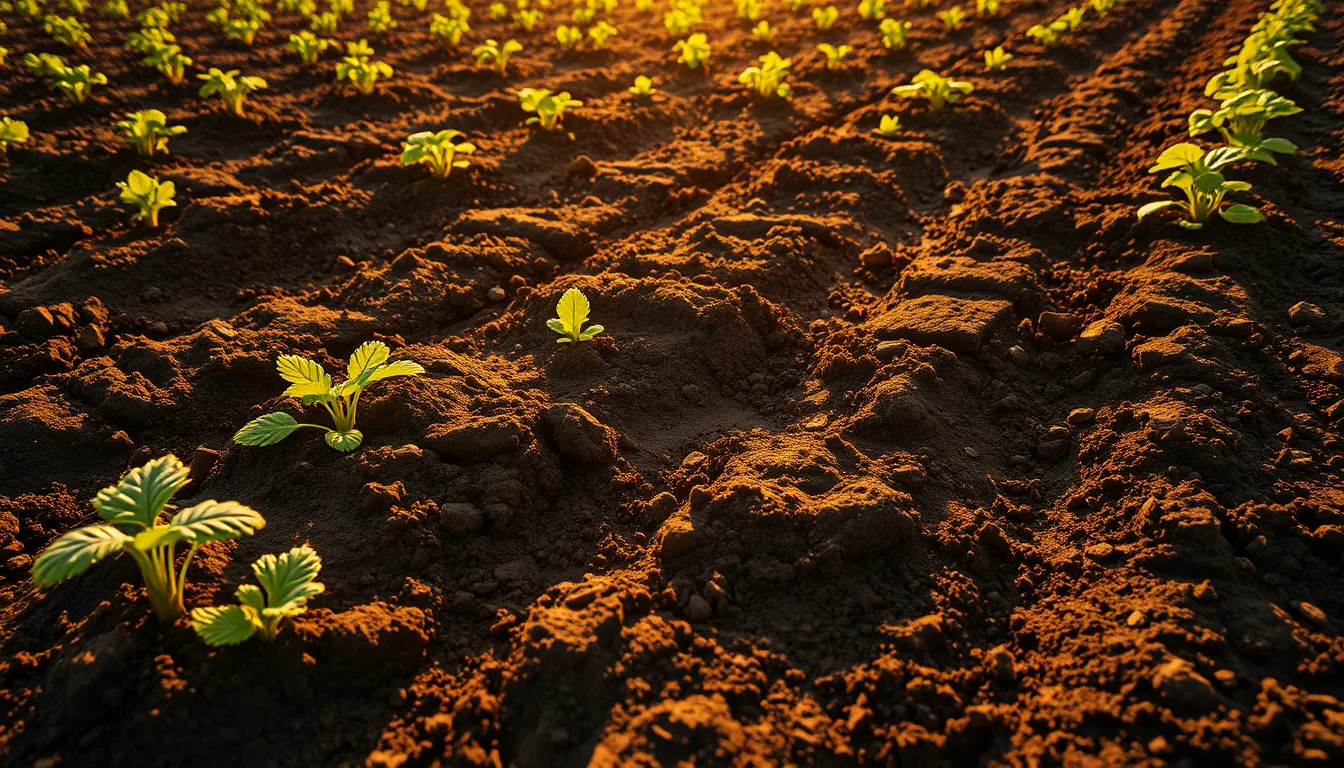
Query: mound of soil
pixel 895 451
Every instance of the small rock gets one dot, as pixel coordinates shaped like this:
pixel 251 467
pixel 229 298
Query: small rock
pixel 344 265
pixel 496 295
pixel 1311 613
pixel 1136 619
pixel 202 461
pixel 461 518
pixel 697 609
pixel 974 454
pixel 1179 684
pixel 1100 551
pixel 1205 591
pixel 890 350
pixel 91 339
pixel 377 497
pixel 474 439
pixel 1057 325
pixel 1105 337
pixel 1303 313
pixel 580 436
pixel 1019 356
pixel 1002 665
pixel 1080 416
pixel 582 166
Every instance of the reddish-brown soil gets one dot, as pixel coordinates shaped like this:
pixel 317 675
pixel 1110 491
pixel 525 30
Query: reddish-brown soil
pixel 862 495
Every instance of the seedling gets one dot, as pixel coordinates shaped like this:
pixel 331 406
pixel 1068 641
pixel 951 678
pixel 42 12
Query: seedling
pixel 835 55
pixel 693 51
pixel 146 40
pixel 1241 120
pixel 495 56
pixel 380 18
pixel 440 151
pixel 795 6
pixel 825 17
pixel 1073 18
pixel 1198 174
pixel 1103 7
pixel 499 11
pixel 115 9
pixel 313 386
pixel 997 59
pixel 148 195
pixel 872 10
pixel 324 23
pixel 528 19
pixel 169 61
pixel 3 52
pixel 308 47
pixel 601 34
pixel 570 315
pixel 147 132
pixel 1262 58
pixel 549 107
pixel 12 132
pixel 568 37
pixel 131 510
pixel 748 10
pixel 987 7
pixel 242 30
pixel 450 28
pixel 288 581
pixel 230 87
pixel 67 31
pixel 44 65
pixel 940 91
pixel 1048 35
pixel 763 32
pixel 953 18
pixel 767 80
pixel 643 87
pixel 895 34
pixel 77 82
pixel 888 127
pixel 362 72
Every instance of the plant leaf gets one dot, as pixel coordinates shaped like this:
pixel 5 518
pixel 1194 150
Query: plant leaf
pixel 72 553
pixel 217 521
pixel 1155 207
pixel 225 626
pixel 345 441
pixel 300 370
pixel 396 368
pixel 158 536
pixel 289 580
pixel 370 355
pixel 1238 213
pixel 140 495
pixel 573 310
pixel 251 595
pixel 267 429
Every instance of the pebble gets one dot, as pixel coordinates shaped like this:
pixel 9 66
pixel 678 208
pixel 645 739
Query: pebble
pixel 1079 416
pixel 1105 337
pixel 1100 551
pixel 697 609
pixel 1311 613
pixel 1136 619
pixel 1303 313
pixel 496 294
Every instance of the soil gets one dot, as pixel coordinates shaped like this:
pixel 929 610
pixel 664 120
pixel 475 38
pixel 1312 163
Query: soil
pixel 914 451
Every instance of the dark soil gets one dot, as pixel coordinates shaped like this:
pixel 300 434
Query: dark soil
pixel 866 496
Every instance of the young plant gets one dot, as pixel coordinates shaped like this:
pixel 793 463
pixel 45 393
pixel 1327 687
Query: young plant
pixel 527 19
pixel 1073 18
pixel 825 18
pixel 693 51
pixel 601 34
pixel 997 59
pixel 499 11
pixel 242 30
pixel 768 79
pixel 324 23
pixel 132 511
pixel 12 132
pixel 987 7
pixel 1103 7
pixel 169 61
pixel 313 386
pixel 67 31
pixel 380 18
pixel 147 39
pixel 359 70
pixel 748 10
pixel 549 107
pixel 568 37
pixel 230 87
pixel 570 315
pixel 1241 120
pixel 147 132
pixel 440 151
pixel 677 22
pixel 115 9
pixel 288 581
pixel 44 65
pixel 450 28
pixel 888 127
pixel 835 54
pixel 3 52
pixel 872 10
pixel 148 195
pixel 308 47
pixel 953 18
pixel 495 56
pixel 77 82
pixel 643 87
pixel 1199 175
pixel 763 32
pixel 1048 35
pixel 895 34
pixel 940 91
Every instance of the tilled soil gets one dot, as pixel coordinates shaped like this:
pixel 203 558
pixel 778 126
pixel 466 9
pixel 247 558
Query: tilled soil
pixel 917 451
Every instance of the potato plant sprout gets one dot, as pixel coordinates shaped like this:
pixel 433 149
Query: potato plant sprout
pixel 987 7
pixel 888 126
pixel 132 511
pixel 1199 175
pixel 549 107
pixel 1241 121
pixel 496 56
pixel 309 383
pixel 1048 35
pixel 768 79
pixel 380 19
pixel 570 315
pixel 148 195
pixel 288 581
pixel 694 51
pixel 895 34
pixel 147 132
pixel 12 132
pixel 643 87
pixel 229 87
pixel 835 55
pixel 938 90
pixel 308 47
pixel 442 151
pixel 825 17
pixel 997 59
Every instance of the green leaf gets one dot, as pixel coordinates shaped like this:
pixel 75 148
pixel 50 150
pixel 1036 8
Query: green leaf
pixel 1190 224
pixel 345 441
pixel 1281 146
pixel 289 580
pixel 1177 156
pixel 370 355
pixel 590 332
pixel 225 626
pixel 300 370
pixel 72 553
pixel 396 368
pixel 268 429
pixel 1155 207
pixel 251 595
pixel 573 310
pixel 142 493
pixel 1241 214
pixel 158 536
pixel 217 521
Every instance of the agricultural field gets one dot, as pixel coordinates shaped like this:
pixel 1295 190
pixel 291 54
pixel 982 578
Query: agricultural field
pixel 671 382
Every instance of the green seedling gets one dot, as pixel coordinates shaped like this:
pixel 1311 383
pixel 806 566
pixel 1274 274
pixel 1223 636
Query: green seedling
pixel 643 87
pixel 825 18
pixel 148 195
pixel 115 9
pixel 953 18
pixel 678 22
pixel 174 10
pixel 568 37
pixel 997 59
pixel 132 512
pixel 835 54
pixel 77 82
pixel 242 30
pixel 218 18
pixel 77 7
pixel 1241 122
pixel 147 132
pixel 763 32
pixel 380 19
pixel 1103 7
pixel 313 386
pixel 325 23
pixel 288 581
pixel 1074 17
pixel 495 56
pixel 527 19
pixel 748 10
pixel 449 28
pixel 768 79
pixel 169 61
pixel 693 51
pixel 570 315
pixel 549 107
pixel 44 65
pixel 442 151
pixel 12 132
pixel 308 47
pixel 457 10
pixel 341 8
pixel 1199 175
pixel 359 70
pixel 987 7
pixel 795 6
pixel 895 34
pixel 938 90
pixel 601 34
pixel 67 31
pixel 872 10
pixel 1048 35
pixel 149 39
pixel 1262 59
pixel 888 127
pixel 230 87
pixel 499 11
pixel 3 53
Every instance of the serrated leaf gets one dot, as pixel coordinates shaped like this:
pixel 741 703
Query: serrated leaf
pixel 345 441
pixel 300 370
pixel 268 429
pixel 572 311
pixel 72 553
pixel 396 368
pixel 217 521
pixel 289 580
pixel 142 493
pixel 251 595
pixel 368 356
pixel 225 626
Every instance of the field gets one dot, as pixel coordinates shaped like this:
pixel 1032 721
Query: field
pixel 918 449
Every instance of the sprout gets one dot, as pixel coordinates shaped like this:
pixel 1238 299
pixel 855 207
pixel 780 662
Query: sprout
pixel 953 18
pixel 643 87
pixel 997 59
pixel 767 81
pixel 527 19
pixel 148 195
pixel 940 91
pixel 570 315
pixel 230 87
pixel 763 32
pixel 888 127
pixel 601 34
pixel 77 82
pixel 549 107
pixel 439 151
pixel 67 31
pixel 987 7
pixel 748 10
pixel 324 23
pixel 450 28
pixel 1241 121
pixel 835 55
pixel 380 19
pixel 288 582
pixel 1199 176
pixel 693 51
pixel 308 47
pixel 872 10
pixel 496 56
pixel 12 132
pixel 568 37
pixel 895 34
pixel 825 17
pixel 170 62
pixel 147 132
pixel 358 68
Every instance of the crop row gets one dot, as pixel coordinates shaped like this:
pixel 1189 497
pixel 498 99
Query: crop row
pixel 1246 105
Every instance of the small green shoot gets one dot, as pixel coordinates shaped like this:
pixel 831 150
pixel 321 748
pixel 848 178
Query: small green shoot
pixel 835 55
pixel 380 20
pixel 825 18
pixel 450 28
pixel 549 107
pixel 308 47
pixel 12 132
pixel 358 68
pixel 872 10
pixel 953 18
pixel 77 82
pixel 495 56
pixel 938 90
pixel 1241 121
pixel 895 34
pixel 600 35
pixel 288 581
pixel 527 19
pixel 888 127
pixel 442 151
pixel 170 62
pixel 693 51
pixel 768 79
pixel 643 87
pixel 1199 175
pixel 148 195
pixel 229 87
pixel 568 37
pixel 996 60
pixel 68 31
pixel 570 315
pixel 763 32
pixel 147 132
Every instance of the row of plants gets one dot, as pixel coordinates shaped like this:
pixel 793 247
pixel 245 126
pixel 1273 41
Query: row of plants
pixel 1246 105
pixel 138 519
